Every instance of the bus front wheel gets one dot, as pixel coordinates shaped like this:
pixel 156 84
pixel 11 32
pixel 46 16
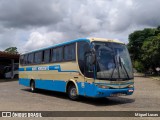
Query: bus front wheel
pixel 32 86
pixel 72 92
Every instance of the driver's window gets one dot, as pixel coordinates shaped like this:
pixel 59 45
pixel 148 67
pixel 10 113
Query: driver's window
pixel 89 68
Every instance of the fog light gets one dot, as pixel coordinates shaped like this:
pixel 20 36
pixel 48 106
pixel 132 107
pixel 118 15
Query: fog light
pixel 130 90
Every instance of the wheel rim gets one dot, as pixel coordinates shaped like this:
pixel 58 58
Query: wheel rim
pixel 32 86
pixel 73 92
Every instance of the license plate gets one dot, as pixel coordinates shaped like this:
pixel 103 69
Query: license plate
pixel 117 94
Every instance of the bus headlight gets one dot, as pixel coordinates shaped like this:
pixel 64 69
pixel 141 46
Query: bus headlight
pixel 131 86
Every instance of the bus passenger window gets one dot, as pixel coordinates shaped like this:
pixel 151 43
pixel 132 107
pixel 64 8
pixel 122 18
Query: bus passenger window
pixel 57 54
pixel 47 56
pixel 30 58
pixel 38 57
pixel 69 52
pixel 25 59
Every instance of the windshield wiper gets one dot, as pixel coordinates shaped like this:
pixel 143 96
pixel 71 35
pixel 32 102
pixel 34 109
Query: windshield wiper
pixel 115 61
pixel 117 67
pixel 122 65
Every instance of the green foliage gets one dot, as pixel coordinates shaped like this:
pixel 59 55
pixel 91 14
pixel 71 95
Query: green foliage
pixel 12 50
pixel 144 47
pixel 138 66
pixel 136 40
pixel 151 48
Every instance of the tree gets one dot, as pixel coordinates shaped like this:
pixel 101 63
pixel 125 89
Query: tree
pixel 138 66
pixel 151 55
pixel 144 47
pixel 136 40
pixel 12 50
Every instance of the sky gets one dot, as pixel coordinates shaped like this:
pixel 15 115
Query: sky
pixel 33 24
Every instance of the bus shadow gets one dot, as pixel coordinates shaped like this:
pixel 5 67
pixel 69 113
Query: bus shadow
pixel 109 101
pixel 48 93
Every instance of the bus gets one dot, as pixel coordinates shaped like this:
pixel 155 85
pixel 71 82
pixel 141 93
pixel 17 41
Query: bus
pixel 91 67
pixel 8 73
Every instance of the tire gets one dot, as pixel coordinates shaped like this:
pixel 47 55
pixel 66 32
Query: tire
pixel 32 86
pixel 72 92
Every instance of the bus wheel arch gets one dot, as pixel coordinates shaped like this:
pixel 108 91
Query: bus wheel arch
pixel 32 85
pixel 72 90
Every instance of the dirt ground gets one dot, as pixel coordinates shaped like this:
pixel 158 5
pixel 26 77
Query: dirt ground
pixel 14 97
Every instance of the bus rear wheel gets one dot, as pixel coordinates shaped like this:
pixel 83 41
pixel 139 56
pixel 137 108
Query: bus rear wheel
pixel 72 92
pixel 32 86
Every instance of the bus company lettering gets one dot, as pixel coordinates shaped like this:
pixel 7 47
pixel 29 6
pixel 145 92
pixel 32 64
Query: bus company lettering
pixel 43 68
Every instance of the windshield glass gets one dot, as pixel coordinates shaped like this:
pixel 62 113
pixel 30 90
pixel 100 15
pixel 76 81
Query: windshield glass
pixel 113 61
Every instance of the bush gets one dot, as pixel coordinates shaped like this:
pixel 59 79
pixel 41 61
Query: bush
pixel 139 66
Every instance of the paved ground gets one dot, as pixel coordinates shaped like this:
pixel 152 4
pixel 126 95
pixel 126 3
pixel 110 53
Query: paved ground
pixel 14 97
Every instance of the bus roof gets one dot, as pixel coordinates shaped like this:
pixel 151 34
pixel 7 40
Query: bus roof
pixel 105 40
pixel 77 40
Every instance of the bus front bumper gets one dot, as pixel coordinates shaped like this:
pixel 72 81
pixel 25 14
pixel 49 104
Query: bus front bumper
pixel 113 92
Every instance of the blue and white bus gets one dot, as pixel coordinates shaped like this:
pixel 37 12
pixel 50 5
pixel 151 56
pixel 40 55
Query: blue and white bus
pixel 92 67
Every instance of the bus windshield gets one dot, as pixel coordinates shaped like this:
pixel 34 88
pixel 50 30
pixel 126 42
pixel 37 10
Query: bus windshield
pixel 113 61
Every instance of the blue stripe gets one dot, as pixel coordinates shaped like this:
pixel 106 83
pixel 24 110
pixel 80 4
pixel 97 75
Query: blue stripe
pixel 24 81
pixel 55 85
pixel 29 69
pixel 46 68
pixel 21 69
pixel 56 67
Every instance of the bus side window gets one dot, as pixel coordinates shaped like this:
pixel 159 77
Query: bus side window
pixel 69 52
pixel 57 54
pixel 38 57
pixel 30 58
pixel 46 56
pixel 25 59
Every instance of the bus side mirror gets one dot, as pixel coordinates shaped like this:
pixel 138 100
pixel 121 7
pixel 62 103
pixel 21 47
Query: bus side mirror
pixel 93 56
pixel 90 58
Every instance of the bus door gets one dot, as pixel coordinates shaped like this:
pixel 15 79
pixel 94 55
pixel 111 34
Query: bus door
pixel 89 73
pixel 89 66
